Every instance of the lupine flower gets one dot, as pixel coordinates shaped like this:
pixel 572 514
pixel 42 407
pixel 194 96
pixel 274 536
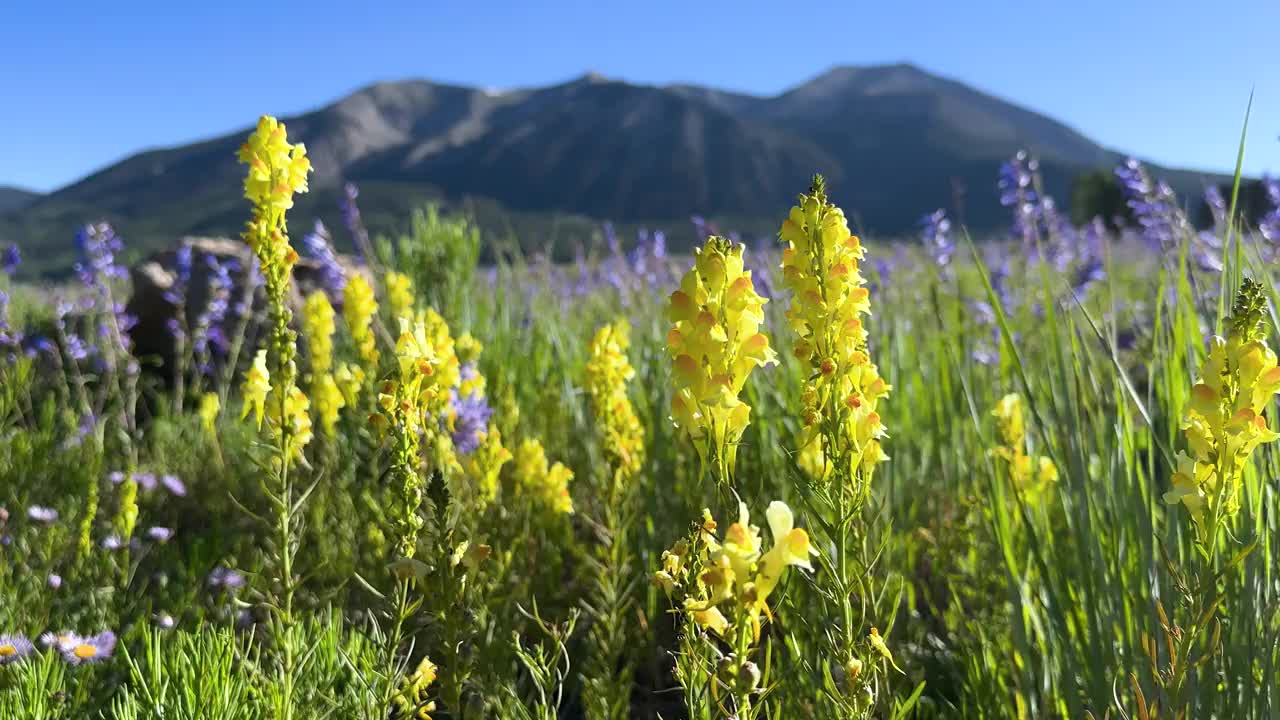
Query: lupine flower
pixel 1017 191
pixel 715 343
pixel 87 650
pixel 829 298
pixel 1223 421
pixel 13 648
pixel 935 233
pixel 608 372
pixel 42 514
pixel 351 216
pixel 1270 223
pixel 208 336
pixel 1154 206
pixel 535 477
pixel 316 245
pixel 1217 205
pixel 471 419
pixel 11 259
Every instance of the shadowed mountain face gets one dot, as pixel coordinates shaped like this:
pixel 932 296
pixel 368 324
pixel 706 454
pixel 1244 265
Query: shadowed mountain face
pixel 894 141
pixel 14 198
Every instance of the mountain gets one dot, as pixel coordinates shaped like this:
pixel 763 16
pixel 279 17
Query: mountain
pixel 15 198
pixel 894 142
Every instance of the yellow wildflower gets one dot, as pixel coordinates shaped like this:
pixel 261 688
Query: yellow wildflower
pixel 715 342
pixel 608 372
pixel 485 464
pixel 359 306
pixel 829 300
pixel 350 379
pixel 277 169
pixel 1031 475
pixel 209 409
pixel 729 581
pixel 399 294
pixel 413 695
pixel 257 383
pixel 328 401
pixel 534 476
pixel 318 328
pixel 1223 421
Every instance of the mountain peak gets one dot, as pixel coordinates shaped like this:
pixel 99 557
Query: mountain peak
pixel 894 140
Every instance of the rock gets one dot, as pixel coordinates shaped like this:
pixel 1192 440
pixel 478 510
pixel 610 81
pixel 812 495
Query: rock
pixel 155 303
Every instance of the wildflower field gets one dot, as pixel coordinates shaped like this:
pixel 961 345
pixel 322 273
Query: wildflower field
pixel 819 476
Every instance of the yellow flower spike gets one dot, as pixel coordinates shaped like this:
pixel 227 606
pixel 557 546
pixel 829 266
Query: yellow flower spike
pixel 350 381
pixel 400 297
pixel 359 307
pixel 318 328
pixel 208 411
pixel 715 342
pixel 820 266
pixel 607 374
pixel 257 383
pixel 537 477
pixel 1223 421
pixel 328 400
pixel 485 464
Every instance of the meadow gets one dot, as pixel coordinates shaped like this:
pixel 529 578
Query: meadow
pixel 816 477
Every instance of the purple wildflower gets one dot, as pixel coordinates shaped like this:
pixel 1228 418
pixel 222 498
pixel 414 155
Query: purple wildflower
pixel 351 216
pixel 91 649
pixel 225 578
pixel 55 581
pixel 145 480
pixel 160 534
pixel 59 640
pixel 13 648
pixel 42 514
pixel 471 420
pixel 165 621
pixel 1270 224
pixel 112 542
pixel 11 259
pixel 936 235
pixel 174 485
pixel 316 245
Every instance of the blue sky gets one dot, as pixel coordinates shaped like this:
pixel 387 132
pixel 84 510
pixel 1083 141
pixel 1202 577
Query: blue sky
pixel 1168 81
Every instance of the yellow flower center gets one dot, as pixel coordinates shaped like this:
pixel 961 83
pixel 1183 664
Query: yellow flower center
pixel 84 651
pixel 8 651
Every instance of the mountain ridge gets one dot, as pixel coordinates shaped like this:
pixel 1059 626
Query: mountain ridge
pixel 894 141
